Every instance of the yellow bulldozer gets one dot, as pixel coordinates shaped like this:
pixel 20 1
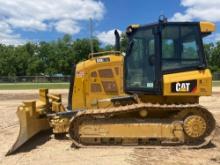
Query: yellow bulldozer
pixel 148 97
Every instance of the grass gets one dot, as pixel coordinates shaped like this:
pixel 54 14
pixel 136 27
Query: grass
pixel 23 86
pixel 216 83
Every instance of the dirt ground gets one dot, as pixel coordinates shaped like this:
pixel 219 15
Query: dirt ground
pixel 45 149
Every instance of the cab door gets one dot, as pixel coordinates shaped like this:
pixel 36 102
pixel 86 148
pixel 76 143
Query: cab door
pixel 142 61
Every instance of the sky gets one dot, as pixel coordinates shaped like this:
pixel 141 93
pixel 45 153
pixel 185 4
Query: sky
pixel 24 21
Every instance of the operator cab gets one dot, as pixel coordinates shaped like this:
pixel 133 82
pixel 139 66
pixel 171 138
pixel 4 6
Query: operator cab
pixel 163 48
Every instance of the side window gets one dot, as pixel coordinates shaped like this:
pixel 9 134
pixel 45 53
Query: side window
pixel 180 48
pixel 189 44
pixel 168 48
pixel 170 38
pixel 189 50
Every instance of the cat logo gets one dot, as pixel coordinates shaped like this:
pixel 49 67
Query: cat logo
pixel 184 86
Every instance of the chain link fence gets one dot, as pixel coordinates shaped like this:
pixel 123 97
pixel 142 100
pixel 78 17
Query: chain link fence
pixel 35 79
pixel 216 76
pixel 56 79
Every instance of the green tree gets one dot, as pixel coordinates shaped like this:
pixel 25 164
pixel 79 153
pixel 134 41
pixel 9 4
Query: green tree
pixel 124 42
pixel 108 48
pixel 7 61
pixel 212 52
pixel 81 49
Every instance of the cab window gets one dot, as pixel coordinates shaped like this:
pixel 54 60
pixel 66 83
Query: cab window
pixel 180 47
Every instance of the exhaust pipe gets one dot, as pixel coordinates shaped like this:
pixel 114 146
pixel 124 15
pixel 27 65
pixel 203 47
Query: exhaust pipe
pixel 117 41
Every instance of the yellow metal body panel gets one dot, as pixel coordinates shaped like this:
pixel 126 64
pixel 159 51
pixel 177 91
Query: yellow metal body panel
pixel 202 77
pixel 78 91
pixel 98 78
pixel 151 130
pixel 135 26
pixel 207 27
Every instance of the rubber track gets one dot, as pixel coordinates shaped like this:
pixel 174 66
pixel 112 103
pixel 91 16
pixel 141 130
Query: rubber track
pixel 86 115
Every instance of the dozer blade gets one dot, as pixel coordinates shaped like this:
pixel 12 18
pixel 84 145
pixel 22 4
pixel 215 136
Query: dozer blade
pixel 31 123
